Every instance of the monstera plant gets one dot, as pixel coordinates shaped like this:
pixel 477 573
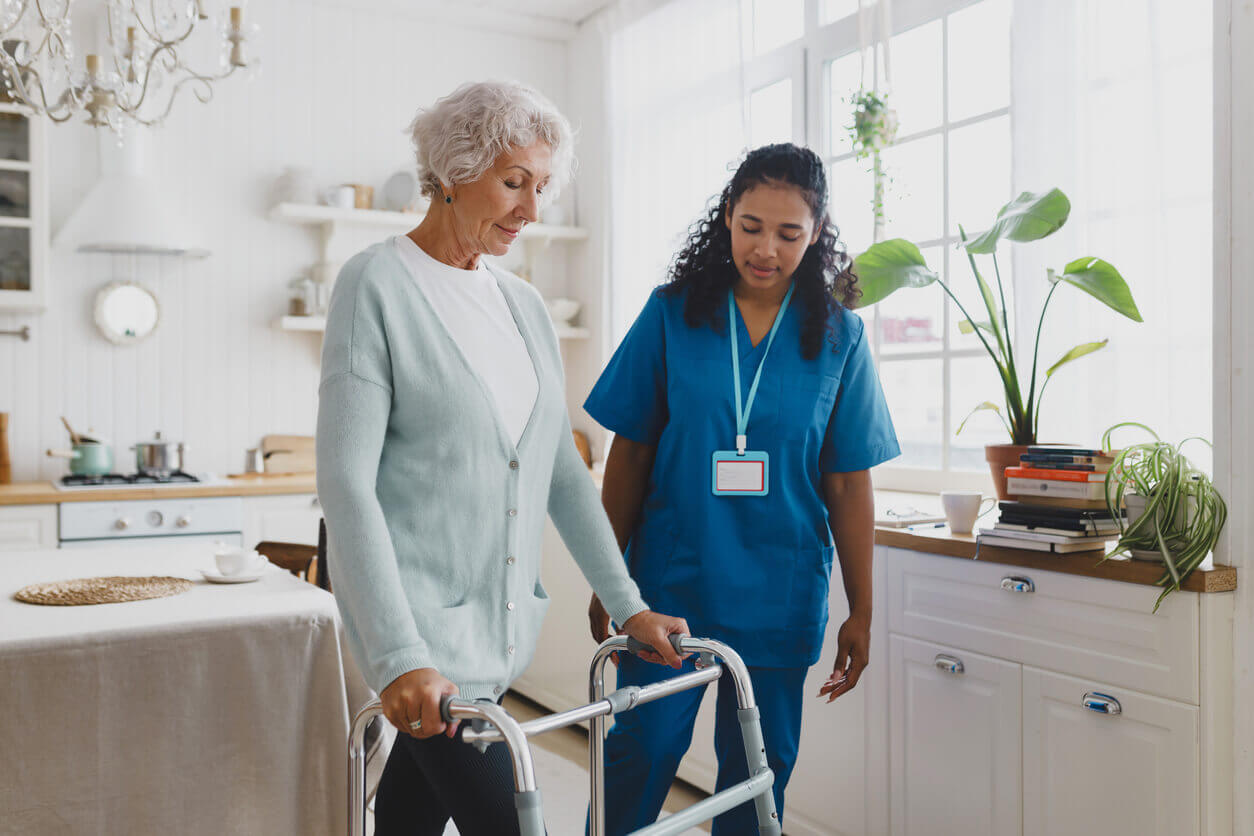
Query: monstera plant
pixel 895 264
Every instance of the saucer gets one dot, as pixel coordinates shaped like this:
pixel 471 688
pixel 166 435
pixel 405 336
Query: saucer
pixel 244 577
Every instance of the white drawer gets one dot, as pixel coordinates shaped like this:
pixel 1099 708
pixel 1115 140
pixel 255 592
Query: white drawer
pixel 1085 627
pixel 28 527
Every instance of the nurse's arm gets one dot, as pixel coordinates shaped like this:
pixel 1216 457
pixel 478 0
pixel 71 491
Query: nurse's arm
pixel 627 469
pixel 851 514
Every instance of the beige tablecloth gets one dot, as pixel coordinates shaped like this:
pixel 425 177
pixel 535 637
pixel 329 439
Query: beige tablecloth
pixel 222 710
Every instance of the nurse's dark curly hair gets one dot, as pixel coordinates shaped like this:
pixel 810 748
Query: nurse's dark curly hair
pixel 824 280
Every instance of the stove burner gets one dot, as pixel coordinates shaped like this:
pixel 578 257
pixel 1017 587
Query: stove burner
pixel 127 479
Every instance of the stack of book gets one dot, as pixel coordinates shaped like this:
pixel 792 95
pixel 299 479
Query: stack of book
pixel 1057 502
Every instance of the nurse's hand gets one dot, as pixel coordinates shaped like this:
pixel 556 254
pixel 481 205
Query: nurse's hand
pixel 414 697
pixel 655 629
pixel 853 654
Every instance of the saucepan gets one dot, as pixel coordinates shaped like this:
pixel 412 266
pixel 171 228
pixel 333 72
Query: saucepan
pixel 87 457
pixel 159 457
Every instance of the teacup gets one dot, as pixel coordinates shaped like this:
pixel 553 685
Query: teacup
pixel 234 560
pixel 963 508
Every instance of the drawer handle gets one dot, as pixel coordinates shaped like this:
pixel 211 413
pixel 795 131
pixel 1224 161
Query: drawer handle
pixel 1017 583
pixel 1101 703
pixel 950 664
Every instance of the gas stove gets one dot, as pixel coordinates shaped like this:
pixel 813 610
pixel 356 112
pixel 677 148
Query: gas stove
pixel 126 480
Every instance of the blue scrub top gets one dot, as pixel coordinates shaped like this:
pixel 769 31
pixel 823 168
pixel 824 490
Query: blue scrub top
pixel 750 571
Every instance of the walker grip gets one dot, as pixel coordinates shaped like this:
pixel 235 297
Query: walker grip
pixel 636 646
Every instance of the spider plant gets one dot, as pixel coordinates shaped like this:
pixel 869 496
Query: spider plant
pixel 1184 513
pixel 892 265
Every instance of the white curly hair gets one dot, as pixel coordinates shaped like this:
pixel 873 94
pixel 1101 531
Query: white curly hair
pixel 457 139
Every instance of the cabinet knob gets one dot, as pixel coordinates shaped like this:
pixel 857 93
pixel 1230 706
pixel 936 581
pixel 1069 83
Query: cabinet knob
pixel 183 521
pixel 950 664
pixel 122 523
pixel 1017 583
pixel 1101 703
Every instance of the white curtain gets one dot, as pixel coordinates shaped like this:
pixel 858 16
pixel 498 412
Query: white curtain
pixel 1112 103
pixel 677 130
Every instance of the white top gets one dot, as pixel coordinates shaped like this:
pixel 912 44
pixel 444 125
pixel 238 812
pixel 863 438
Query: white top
pixel 471 306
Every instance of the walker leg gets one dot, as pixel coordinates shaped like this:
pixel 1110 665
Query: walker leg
pixel 530 815
pixel 755 754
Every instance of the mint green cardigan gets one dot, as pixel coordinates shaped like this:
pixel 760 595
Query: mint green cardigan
pixel 434 517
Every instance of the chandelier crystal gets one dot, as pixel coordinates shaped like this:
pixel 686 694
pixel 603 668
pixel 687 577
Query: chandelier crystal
pixel 153 49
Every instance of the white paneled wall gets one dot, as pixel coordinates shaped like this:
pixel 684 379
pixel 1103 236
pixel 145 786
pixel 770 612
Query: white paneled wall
pixel 338 85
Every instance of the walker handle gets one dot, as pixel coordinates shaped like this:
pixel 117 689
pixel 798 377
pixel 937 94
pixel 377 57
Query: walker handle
pixel 636 646
pixel 444 704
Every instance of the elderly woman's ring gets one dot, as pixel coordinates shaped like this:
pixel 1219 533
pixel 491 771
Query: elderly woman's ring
pixel 416 725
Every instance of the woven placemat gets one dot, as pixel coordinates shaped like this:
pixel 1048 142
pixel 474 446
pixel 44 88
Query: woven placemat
pixel 112 590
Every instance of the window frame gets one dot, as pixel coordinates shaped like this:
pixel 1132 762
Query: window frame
pixel 821 45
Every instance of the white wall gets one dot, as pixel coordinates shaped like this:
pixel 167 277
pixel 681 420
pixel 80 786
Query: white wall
pixel 1234 359
pixel 339 83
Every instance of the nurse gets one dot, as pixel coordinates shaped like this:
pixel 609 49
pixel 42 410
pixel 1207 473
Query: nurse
pixel 747 414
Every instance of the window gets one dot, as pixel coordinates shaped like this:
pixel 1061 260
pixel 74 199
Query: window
pixel 1108 101
pixel 949 168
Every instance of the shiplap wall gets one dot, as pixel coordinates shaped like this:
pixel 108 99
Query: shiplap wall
pixel 339 83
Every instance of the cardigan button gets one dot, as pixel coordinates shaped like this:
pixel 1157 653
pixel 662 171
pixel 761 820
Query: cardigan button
pixel 510 649
pixel 509 561
pixel 509 605
pixel 513 465
pixel 513 512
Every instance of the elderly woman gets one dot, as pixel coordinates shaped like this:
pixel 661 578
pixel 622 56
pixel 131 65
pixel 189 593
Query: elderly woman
pixel 443 443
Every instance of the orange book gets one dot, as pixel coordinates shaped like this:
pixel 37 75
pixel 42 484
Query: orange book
pixel 1054 475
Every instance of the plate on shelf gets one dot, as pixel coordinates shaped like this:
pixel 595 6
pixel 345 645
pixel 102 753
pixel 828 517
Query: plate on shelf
pixel 399 192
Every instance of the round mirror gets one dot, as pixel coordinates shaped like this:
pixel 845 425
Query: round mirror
pixel 126 313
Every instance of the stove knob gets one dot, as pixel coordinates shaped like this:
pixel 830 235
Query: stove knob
pixel 122 524
pixel 183 521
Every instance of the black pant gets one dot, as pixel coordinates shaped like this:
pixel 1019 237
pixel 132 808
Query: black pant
pixel 428 781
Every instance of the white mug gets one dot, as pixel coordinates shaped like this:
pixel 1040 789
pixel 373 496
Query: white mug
pixel 233 560
pixel 963 508
pixel 341 197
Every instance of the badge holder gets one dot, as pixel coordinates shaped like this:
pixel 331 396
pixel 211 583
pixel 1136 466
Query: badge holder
pixel 741 474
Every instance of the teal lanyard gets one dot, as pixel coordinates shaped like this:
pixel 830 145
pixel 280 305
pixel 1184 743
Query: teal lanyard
pixel 742 413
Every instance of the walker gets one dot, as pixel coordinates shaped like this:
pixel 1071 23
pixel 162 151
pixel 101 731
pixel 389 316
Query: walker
pixel 490 723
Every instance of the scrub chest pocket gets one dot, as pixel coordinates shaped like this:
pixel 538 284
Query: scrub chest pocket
pixel 805 405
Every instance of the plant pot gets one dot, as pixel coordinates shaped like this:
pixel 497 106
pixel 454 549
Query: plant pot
pixel 1135 505
pixel 1000 457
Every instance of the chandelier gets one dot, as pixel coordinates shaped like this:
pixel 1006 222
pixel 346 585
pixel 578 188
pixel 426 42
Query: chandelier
pixel 149 53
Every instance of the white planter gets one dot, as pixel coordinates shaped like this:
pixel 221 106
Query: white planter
pixel 1136 507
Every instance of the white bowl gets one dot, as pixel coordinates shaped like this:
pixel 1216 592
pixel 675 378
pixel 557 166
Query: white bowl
pixel 563 310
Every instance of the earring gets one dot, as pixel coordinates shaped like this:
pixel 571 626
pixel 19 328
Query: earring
pixel 448 199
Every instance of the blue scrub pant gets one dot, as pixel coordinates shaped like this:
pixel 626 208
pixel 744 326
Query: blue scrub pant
pixel 646 744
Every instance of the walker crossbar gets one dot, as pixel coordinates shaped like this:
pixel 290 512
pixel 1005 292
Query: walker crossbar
pixel 491 723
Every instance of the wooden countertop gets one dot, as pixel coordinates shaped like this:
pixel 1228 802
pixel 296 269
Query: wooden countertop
pixel 45 493
pixel 940 541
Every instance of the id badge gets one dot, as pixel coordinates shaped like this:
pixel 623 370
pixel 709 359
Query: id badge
pixel 741 475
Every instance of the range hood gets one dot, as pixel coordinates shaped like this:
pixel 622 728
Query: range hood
pixel 127 211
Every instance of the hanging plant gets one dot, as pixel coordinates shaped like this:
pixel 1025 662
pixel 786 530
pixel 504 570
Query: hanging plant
pixel 874 128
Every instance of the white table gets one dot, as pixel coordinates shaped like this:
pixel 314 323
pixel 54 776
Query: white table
pixel 221 710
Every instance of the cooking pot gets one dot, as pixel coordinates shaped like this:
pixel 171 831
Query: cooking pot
pixel 158 457
pixel 87 458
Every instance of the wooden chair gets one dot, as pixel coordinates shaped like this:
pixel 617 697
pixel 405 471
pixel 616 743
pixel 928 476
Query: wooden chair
pixel 305 562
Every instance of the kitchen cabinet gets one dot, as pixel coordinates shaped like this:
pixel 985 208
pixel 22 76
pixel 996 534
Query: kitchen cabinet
pixel 28 527
pixel 956 742
pixel 1091 714
pixel 1088 771
pixel 23 211
pixel 286 518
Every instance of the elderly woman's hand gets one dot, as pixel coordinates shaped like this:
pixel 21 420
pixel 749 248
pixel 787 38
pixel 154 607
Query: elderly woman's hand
pixel 414 697
pixel 655 629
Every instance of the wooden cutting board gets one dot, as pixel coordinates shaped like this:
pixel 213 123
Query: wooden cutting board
pixel 279 462
pixel 287 443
